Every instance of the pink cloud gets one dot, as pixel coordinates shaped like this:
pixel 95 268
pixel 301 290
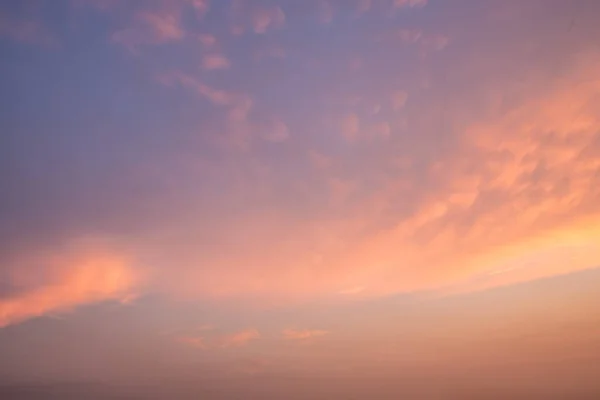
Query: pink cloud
pixel 264 19
pixel 277 132
pixel 425 42
pixel 83 273
pixel 239 339
pixel 462 218
pixel 201 6
pixel 241 130
pixel 151 27
pixel 215 61
pixel 303 334
pixel 408 36
pixel 207 40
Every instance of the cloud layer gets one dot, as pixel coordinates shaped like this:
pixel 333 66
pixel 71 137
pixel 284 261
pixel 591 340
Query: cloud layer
pixel 276 152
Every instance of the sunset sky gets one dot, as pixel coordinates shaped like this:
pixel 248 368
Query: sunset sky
pixel 300 199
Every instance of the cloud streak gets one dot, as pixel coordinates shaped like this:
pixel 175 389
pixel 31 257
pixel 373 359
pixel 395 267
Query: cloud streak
pixel 83 274
pixel 304 334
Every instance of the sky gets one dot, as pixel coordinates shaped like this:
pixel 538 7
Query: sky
pixel 299 199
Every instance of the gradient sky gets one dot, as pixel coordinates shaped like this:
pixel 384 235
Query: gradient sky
pixel 300 199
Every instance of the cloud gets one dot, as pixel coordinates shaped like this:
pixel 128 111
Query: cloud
pixel 304 334
pixel 215 61
pixel 241 128
pixel 495 160
pixel 84 273
pixel 201 6
pixel 277 132
pixel 215 96
pixel 509 186
pixel 207 39
pixel 239 339
pixel 264 19
pixel 151 27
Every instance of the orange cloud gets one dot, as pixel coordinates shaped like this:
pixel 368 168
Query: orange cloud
pixel 85 273
pixel 293 334
pixel 512 186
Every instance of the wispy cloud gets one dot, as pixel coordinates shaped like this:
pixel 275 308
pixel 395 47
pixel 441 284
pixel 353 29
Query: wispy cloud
pixel 207 39
pixel 239 339
pixel 151 28
pixel 303 334
pixel 215 61
pixel 201 6
pixel 81 274
pixel 264 19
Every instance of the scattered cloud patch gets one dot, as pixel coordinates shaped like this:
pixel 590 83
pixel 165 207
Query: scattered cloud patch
pixel 215 61
pixel 151 28
pixel 239 339
pixel 264 19
pixel 303 334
